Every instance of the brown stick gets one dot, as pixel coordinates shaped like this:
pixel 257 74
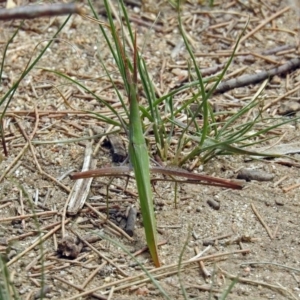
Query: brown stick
pixel 204 271
pixel 38 11
pixel 93 274
pixel 22 217
pixel 49 113
pixel 20 154
pixel 291 187
pixel 122 170
pixel 284 96
pixel 262 221
pixel 42 172
pixel 36 124
pixel 20 237
pixel 245 80
pixel 22 208
pixel 212 240
pixel 146 248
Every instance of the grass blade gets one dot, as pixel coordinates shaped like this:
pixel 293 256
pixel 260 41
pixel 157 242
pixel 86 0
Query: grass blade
pixel 138 152
pixel 139 158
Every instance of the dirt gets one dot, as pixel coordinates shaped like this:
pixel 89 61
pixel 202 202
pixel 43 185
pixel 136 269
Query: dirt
pixel 210 219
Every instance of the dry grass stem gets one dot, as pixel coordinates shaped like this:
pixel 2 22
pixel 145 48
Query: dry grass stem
pixel 284 96
pixel 291 187
pixel 93 274
pixel 261 220
pixel 22 217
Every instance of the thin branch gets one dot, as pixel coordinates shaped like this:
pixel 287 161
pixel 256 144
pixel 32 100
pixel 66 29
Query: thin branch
pixel 123 170
pixel 262 221
pixel 245 80
pixel 38 11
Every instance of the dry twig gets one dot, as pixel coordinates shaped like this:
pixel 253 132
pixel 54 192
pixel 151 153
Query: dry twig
pixel 22 217
pixel 245 80
pixel 262 221
pixel 38 11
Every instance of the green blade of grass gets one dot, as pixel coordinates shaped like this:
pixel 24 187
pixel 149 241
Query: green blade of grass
pixel 138 152
pixel 139 159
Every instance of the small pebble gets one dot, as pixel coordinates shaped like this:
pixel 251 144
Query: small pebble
pixel 289 108
pixel 198 209
pixel 107 279
pixel 251 174
pixel 213 204
pixel 11 254
pixel 189 209
pixel 279 202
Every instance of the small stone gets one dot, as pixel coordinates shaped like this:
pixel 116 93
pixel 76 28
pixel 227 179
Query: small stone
pixel 289 108
pixel 198 209
pixel 213 204
pixel 11 254
pixel 107 279
pixel 252 174
pixel 279 202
